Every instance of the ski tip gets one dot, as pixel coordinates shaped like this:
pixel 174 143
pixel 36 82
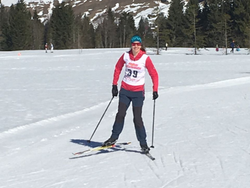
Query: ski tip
pixel 126 143
pixel 123 143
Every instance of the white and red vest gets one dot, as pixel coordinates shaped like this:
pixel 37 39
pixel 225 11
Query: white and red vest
pixel 135 69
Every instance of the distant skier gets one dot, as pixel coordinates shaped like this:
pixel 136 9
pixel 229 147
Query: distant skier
pixel 51 47
pixel 46 47
pixel 232 46
pixel 217 47
pixel 238 48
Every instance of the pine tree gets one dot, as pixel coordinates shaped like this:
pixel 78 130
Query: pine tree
pixel 3 18
pixel 7 43
pixel 77 32
pixel 190 24
pixel 126 29
pixel 174 24
pixel 108 30
pixel 111 29
pixel 162 30
pixel 98 37
pixel 218 28
pixel 203 25
pixel 144 30
pixel 88 40
pixel 83 33
pixel 62 22
pixel 17 28
pixel 122 30
pixel 246 34
pixel 239 13
pixel 37 32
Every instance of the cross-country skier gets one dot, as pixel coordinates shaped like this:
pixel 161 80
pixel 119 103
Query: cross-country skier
pixel 51 47
pixel 232 46
pixel 132 90
pixel 46 47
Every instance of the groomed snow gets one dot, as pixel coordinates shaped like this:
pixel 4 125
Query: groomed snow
pixel 52 102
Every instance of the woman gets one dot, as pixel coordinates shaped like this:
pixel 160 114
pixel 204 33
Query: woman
pixel 132 90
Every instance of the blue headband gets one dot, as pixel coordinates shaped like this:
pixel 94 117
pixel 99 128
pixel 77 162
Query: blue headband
pixel 136 38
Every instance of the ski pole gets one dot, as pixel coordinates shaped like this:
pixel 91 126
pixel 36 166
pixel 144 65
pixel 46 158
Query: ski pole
pixel 153 124
pixel 100 119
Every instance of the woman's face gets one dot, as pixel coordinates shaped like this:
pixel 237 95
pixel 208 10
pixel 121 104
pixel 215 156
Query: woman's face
pixel 136 47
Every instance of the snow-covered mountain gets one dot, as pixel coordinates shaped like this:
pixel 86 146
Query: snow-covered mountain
pixel 96 8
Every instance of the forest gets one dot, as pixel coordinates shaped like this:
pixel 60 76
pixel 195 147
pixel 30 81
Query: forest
pixel 214 22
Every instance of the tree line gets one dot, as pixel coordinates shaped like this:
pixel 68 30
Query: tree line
pixel 215 22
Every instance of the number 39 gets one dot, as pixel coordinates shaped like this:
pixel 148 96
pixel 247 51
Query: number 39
pixel 132 73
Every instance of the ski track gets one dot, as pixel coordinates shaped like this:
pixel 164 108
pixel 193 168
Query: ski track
pixel 172 90
pixel 52 119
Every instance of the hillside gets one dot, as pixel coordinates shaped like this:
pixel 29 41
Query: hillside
pixel 96 8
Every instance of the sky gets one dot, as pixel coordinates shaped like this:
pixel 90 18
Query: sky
pixel 52 102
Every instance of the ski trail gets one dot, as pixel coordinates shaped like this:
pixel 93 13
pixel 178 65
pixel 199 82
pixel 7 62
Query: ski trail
pixel 179 89
pixel 53 119
pixel 212 85
pixel 173 90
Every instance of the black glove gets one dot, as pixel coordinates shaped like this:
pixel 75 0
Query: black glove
pixel 155 95
pixel 114 90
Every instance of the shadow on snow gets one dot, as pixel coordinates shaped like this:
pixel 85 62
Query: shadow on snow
pixel 93 144
pixel 83 142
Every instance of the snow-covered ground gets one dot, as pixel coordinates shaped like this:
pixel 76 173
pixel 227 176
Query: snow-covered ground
pixel 51 104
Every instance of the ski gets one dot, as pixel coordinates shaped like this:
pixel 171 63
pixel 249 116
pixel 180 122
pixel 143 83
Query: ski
pixel 99 148
pixel 148 155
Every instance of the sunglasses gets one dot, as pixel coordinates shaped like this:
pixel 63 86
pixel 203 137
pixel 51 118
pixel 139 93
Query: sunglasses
pixel 136 43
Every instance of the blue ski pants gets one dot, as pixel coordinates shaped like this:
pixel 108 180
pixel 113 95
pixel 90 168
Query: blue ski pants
pixel 125 98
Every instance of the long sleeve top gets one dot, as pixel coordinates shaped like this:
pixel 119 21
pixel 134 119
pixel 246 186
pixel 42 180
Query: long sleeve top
pixel 135 68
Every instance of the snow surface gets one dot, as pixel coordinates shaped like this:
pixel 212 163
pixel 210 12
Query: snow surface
pixel 51 104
